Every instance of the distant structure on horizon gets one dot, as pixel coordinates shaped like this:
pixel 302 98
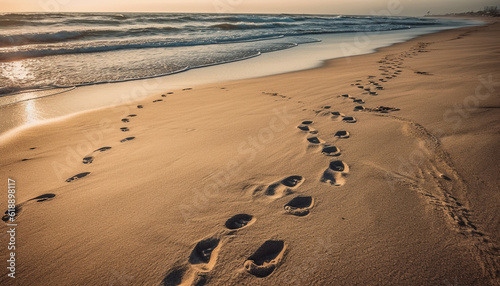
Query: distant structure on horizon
pixel 488 11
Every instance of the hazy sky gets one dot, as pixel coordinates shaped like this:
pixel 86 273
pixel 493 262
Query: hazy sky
pixel 365 7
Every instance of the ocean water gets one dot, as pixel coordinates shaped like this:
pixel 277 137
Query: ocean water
pixel 45 51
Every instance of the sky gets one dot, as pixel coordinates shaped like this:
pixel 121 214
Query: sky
pixel 356 7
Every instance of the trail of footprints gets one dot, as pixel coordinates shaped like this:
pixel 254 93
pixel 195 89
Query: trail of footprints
pixel 267 258
pixel 9 215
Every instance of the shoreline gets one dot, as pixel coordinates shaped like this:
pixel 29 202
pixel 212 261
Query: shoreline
pixel 409 197
pixel 268 61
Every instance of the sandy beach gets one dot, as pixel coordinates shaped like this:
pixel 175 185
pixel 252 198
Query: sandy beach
pixel 378 169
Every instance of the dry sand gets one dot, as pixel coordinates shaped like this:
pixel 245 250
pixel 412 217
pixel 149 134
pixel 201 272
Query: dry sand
pixel 409 196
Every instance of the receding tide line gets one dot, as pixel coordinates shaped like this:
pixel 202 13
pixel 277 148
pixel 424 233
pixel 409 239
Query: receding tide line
pixel 70 88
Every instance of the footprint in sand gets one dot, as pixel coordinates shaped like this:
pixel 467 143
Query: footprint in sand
pixel 349 119
pixel 291 182
pixel 102 149
pixel 157 100
pixel 331 151
pixel 315 140
pixel 240 221
pixel 335 173
pixel 89 158
pixel 358 100
pixel 444 177
pixel 43 198
pixel 306 128
pixel 140 106
pixel 266 259
pixel 281 188
pixel 181 275
pixel 77 176
pixel 127 139
pixel 337 115
pixel 299 206
pixel 6 217
pixel 342 134
pixel 359 108
pixel 17 208
pixel 124 129
pixel 204 254
pixel 125 120
pixel 383 109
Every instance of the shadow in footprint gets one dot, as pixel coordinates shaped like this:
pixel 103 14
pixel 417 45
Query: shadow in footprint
pixel 342 134
pixel 11 213
pixel 305 128
pixel 88 160
pixel 140 106
pixel 337 115
pixel 349 119
pixel 299 206
pixel 43 198
pixel 239 221
pixel 443 176
pixel 314 140
pixel 181 276
pixel 127 139
pixel 204 254
pixel 132 115
pixel 125 120
pixel 331 151
pixel 335 173
pixel 77 176
pixel 174 277
pixel 266 259
pixel 338 166
pixel 292 181
pixel 284 187
pixel 102 149
pixel 124 129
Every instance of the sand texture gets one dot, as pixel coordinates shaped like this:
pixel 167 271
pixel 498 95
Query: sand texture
pixel 379 169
